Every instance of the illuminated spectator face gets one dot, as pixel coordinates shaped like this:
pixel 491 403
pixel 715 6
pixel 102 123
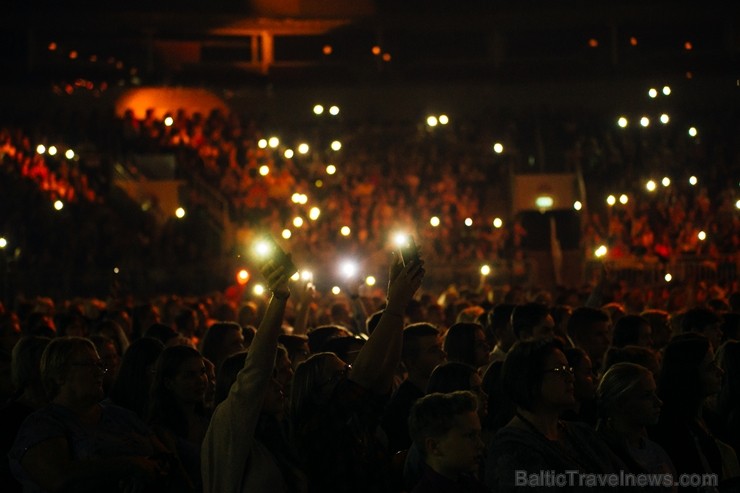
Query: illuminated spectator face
pixel 642 406
pixel 460 449
pixel 558 383
pixel 190 382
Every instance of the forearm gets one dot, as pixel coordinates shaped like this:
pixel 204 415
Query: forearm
pixel 359 314
pixel 263 347
pixel 380 355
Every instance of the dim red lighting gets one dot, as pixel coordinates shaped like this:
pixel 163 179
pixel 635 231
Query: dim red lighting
pixel 93 58
pixel 327 49
pixel 69 89
pixel 689 75
pixel 633 41
pixel 688 46
pixel 73 55
pixel 593 43
pixel 386 57
pixel 52 46
pixel 119 65
pixel 376 50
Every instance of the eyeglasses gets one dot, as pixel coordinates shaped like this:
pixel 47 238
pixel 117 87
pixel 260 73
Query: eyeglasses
pixel 561 370
pixel 338 376
pixel 93 364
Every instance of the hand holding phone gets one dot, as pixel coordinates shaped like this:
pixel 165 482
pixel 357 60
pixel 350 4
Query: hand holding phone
pixel 409 250
pixel 266 248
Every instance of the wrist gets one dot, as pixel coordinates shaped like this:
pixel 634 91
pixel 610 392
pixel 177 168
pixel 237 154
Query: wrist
pixel 281 295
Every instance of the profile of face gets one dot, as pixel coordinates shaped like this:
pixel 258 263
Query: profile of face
pixel 431 354
pixel 233 342
pixel 710 374
pixel 584 386
pixel 641 407
pixel 190 382
pixel 558 383
pixel 544 329
pixel 460 449
pixel 83 382
pixel 481 349
pixel 596 339
pixel 275 402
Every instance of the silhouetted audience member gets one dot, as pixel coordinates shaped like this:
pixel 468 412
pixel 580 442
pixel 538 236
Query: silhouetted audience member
pixel 703 321
pixel 589 329
pixel 532 320
pixel 466 343
pixel 632 330
pixel 135 376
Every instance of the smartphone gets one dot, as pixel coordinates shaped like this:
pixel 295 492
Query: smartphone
pixel 265 247
pixel 409 251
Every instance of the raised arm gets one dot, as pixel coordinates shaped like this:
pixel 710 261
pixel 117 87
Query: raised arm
pixel 377 361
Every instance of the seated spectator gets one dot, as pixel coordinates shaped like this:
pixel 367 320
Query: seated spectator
pixel 584 388
pixel 499 323
pixel 446 429
pixel 589 329
pixel 540 382
pixel 627 405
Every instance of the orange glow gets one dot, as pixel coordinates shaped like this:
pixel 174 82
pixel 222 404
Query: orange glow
pixel 52 46
pixel 163 99
pixel 688 46
pixel 376 50
pixel 69 89
pixel 93 58
pixel 593 43
pixel 73 55
pixel 689 75
pixel 633 41
pixel 242 277
pixel 386 57
pixel 327 50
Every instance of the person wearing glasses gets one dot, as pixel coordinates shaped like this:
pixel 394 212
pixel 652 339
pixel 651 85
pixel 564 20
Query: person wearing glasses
pixel 540 383
pixel 78 443
pixel 335 408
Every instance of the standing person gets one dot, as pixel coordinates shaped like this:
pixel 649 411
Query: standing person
pixel 235 458
pixel 335 407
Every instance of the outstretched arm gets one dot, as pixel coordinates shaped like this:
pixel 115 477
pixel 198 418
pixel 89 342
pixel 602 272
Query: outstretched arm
pixel 377 361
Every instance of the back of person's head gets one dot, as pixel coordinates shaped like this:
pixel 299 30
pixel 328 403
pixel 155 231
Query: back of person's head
pixel 697 319
pixel 461 341
pixel 470 314
pixel 449 377
pixel 617 384
pixel 627 331
pixel 346 348
pixel 582 319
pixel 304 398
pixel 638 355
pixel 226 375
pixel 412 335
pixel 680 385
pixel 56 360
pixel 296 345
pixel 113 330
pixel 734 301
pixel 165 408
pixel 161 332
pixel 248 314
pixel 26 362
pixel 131 387
pixel 186 321
pixel 660 326
pixel 318 336
pixel 433 416
pixel 526 318
pixel 615 311
pixel 500 317
pixel 522 373
pixel 215 340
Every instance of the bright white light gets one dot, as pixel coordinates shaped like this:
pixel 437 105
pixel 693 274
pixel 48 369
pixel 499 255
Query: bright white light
pixel 295 277
pixel 52 151
pixel 3 242
pixel 497 223
pixel 287 234
pixel 623 199
pixel 168 121
pixel 737 204
pixel 243 274
pixel 622 122
pixel 345 231
pixel 498 148
pixel 58 205
pixel 262 248
pixel 443 120
pixel 335 290
pixel 303 199
pixel 331 169
pixel 180 212
pixel 318 109
pixel 653 93
pixel 400 239
pixel 40 149
pixel 296 198
pixel 70 154
pixel 668 278
pixel 693 132
pixel 334 110
pixel 468 222
pixel 693 180
pixel 303 148
pixel 314 213
pixel 273 142
pixel 336 145
pixel 601 251
pixel 666 90
pixel 664 119
pixel 262 143
pixel 116 270
pixel 307 275
pixel 577 205
pixel 348 268
pixel 370 281
pixel 288 153
pixel 645 121
pixel 611 200
pixel 702 235
pixel 298 221
pixel 259 289
pixel 264 170
pixel 666 181
pixel 650 185
pixel 544 202
pixel 432 121
pixel 485 270
pixel 434 221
